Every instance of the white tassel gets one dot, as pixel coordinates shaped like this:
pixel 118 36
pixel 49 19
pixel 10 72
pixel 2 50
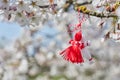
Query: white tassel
pixel 86 54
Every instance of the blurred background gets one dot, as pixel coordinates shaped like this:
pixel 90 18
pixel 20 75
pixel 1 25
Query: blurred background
pixel 32 53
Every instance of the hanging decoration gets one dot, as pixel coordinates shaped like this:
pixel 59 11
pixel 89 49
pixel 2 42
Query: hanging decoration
pixel 76 52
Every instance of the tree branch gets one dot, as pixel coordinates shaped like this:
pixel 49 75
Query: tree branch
pixel 46 6
pixel 93 13
pixel 84 3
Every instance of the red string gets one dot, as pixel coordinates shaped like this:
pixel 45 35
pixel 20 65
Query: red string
pixel 77 26
pixel 73 53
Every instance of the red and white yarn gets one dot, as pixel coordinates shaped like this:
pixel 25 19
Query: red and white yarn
pixel 76 52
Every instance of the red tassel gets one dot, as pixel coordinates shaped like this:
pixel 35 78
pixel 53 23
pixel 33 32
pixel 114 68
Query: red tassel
pixel 73 52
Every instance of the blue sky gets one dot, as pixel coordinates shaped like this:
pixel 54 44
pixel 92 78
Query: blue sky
pixel 9 30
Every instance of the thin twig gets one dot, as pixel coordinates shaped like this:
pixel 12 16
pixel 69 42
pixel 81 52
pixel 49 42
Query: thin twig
pixel 46 6
pixel 84 3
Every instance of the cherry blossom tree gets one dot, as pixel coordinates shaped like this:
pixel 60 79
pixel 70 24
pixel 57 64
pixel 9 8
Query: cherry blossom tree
pixel 34 13
pixel 48 25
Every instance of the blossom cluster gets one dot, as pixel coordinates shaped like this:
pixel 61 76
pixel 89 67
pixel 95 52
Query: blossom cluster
pixel 25 12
